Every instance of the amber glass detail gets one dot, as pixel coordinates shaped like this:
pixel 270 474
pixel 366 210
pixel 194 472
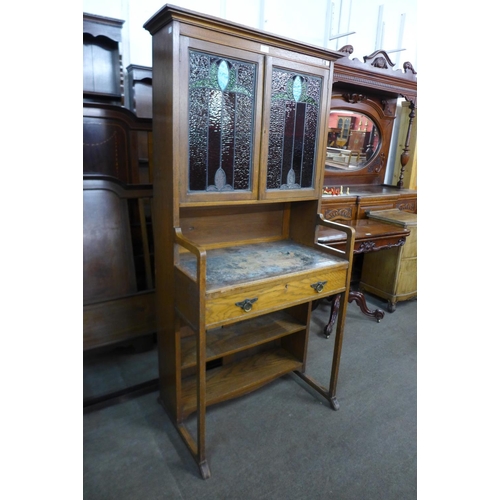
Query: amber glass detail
pixel 293 129
pixel 221 122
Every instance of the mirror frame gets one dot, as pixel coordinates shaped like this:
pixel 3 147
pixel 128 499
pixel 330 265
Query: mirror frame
pixel 374 169
pixel 371 87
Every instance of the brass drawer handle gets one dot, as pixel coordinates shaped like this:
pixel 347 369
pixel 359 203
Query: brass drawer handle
pixel 246 304
pixel 318 286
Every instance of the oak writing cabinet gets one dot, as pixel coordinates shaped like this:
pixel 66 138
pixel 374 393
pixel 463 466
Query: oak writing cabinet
pixel 393 275
pixel 239 135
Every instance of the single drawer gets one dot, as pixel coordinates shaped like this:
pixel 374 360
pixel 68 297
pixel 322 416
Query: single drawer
pixel 246 301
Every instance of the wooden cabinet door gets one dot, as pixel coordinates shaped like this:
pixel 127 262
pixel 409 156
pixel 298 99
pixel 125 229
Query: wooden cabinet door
pixel 220 122
pixel 294 135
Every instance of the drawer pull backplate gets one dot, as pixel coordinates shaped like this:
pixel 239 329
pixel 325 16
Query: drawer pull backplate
pixel 319 285
pixel 246 304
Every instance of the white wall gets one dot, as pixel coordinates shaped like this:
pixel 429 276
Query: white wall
pixel 387 24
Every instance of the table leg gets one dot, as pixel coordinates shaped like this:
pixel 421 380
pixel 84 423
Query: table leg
pixel 357 297
pixel 334 311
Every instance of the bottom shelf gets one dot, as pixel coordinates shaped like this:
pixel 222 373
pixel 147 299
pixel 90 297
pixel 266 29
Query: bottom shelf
pixel 238 378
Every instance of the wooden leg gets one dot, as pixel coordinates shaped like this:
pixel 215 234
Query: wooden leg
pixel 197 445
pixel 204 470
pixel 334 403
pixel 337 349
pixel 359 298
pixel 202 404
pixel 194 447
pixel 334 311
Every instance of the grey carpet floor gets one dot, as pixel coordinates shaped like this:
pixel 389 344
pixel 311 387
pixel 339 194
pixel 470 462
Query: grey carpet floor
pixel 282 441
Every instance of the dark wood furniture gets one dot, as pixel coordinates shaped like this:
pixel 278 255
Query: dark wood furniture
pixel 116 168
pixel 116 143
pixel 370 236
pixel 237 262
pixel 102 59
pixel 118 277
pixel 118 288
pixel 140 90
pixel 370 88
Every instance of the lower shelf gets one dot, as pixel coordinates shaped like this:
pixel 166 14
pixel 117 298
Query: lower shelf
pixel 238 378
pixel 249 333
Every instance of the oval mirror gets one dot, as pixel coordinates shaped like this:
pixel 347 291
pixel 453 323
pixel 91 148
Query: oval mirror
pixel 353 139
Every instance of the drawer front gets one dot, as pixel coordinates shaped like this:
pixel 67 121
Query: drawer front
pixel 223 309
pixel 336 212
pixel 408 205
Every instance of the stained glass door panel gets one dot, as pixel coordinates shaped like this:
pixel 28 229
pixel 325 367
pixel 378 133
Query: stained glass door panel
pixel 222 109
pixel 293 130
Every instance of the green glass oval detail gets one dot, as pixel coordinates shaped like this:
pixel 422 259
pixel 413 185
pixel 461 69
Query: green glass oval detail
pixel 297 88
pixel 223 75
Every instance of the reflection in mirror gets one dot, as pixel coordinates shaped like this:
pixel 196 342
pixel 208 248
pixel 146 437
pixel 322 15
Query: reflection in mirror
pixel 353 139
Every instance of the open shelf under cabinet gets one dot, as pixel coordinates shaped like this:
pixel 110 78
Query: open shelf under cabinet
pixel 228 340
pixel 239 378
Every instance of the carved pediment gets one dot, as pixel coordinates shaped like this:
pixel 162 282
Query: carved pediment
pixel 347 48
pixel 354 98
pixel 408 66
pixel 379 59
pixel 376 72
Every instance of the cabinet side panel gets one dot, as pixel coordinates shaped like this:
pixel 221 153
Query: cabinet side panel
pixel 187 300
pixel 407 279
pixel 303 221
pixel 165 143
pixel 410 247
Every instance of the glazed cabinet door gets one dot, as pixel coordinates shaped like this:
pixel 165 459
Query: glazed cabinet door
pixel 296 101
pixel 220 120
pixel 254 125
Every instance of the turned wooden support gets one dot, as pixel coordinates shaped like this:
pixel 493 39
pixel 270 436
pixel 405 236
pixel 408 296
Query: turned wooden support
pixel 405 155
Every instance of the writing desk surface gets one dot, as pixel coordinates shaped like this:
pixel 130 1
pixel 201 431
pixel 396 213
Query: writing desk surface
pixel 235 265
pixel 366 229
pixel 394 216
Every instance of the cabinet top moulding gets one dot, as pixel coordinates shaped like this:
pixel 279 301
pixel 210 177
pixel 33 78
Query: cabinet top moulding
pixel 169 13
pixel 103 26
pixel 274 70
pixel 376 73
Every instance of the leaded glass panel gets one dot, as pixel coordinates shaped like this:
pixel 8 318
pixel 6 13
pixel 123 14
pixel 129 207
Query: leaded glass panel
pixel 221 122
pixel 293 129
